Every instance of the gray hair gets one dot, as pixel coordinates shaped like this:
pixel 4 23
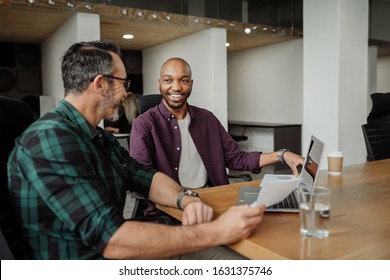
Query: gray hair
pixel 83 61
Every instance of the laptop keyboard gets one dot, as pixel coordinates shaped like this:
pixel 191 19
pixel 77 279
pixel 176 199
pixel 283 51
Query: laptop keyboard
pixel 287 203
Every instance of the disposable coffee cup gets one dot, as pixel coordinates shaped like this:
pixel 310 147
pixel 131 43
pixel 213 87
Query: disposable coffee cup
pixel 335 163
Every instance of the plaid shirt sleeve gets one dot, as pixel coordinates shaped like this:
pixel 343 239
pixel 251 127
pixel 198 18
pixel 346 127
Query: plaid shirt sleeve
pixel 69 189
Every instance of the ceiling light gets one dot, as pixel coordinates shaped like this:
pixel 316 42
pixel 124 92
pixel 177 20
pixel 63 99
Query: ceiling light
pixel 168 17
pixel 154 15
pixel 31 2
pixel 51 2
pixel 208 22
pixel 88 7
pixel 124 12
pixel 247 30
pixel 128 36
pixel 196 20
pixel 227 44
pixel 139 13
pixel 70 5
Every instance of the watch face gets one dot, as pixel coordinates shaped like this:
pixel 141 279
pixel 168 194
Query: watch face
pixel 191 193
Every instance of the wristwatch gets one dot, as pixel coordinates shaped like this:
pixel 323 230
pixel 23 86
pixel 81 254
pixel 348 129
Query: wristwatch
pixel 182 193
pixel 281 153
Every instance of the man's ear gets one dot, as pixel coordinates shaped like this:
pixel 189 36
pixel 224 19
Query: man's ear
pixel 99 83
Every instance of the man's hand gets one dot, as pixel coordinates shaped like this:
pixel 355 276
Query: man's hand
pixel 196 212
pixel 293 160
pixel 238 222
pixel 111 129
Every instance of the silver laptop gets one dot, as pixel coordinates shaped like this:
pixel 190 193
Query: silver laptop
pixel 309 175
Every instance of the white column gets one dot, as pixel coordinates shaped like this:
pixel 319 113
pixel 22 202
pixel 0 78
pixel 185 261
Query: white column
pixel 335 75
pixel 80 27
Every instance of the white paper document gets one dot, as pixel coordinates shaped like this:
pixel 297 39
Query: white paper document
pixel 275 188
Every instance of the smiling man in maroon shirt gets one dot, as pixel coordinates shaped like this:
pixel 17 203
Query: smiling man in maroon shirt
pixel 189 143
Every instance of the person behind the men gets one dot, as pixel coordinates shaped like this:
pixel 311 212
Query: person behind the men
pixel 127 113
pixel 189 143
pixel 68 179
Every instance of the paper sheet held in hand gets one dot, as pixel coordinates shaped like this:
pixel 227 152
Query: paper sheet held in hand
pixel 275 188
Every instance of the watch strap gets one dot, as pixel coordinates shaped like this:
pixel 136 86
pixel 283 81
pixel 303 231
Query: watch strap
pixel 281 153
pixel 180 196
pixel 179 199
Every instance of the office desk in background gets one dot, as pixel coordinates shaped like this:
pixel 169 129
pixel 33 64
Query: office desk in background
pixel 359 226
pixel 284 135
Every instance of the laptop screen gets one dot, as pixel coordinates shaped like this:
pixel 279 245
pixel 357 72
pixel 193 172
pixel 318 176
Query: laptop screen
pixel 310 168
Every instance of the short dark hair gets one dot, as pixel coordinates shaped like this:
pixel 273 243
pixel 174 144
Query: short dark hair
pixel 187 65
pixel 83 61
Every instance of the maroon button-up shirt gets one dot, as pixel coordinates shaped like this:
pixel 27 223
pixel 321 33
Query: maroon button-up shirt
pixel 155 140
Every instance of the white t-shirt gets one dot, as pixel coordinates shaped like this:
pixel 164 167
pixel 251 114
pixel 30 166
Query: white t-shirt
pixel 192 173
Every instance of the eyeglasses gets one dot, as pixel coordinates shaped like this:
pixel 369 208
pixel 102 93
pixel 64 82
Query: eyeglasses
pixel 126 82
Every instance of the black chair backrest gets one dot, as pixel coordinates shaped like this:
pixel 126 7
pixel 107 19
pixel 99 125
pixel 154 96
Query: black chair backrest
pixel 15 117
pixel 377 140
pixel 145 102
pixel 5 251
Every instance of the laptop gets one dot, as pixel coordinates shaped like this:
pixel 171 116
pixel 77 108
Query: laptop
pixel 307 179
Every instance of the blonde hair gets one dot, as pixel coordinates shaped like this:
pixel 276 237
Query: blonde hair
pixel 130 107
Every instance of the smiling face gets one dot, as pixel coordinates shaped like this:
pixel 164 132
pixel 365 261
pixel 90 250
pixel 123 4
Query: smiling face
pixel 175 84
pixel 116 91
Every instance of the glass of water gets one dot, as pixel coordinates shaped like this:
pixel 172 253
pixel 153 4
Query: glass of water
pixel 314 211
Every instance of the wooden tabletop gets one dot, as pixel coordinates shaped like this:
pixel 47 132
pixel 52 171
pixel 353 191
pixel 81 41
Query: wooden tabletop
pixel 359 225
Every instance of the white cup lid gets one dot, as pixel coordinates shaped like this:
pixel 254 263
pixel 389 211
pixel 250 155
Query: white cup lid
pixel 335 154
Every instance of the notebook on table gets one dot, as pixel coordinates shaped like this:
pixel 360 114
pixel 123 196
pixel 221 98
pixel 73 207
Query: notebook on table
pixel 278 192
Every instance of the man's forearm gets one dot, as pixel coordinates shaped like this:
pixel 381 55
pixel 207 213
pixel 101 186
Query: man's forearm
pixel 164 190
pixel 138 240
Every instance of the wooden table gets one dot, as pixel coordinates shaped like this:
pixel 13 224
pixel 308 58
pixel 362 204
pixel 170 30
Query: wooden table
pixel 359 226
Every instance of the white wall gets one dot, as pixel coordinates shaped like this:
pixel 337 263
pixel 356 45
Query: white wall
pixel 265 84
pixel 336 75
pixel 383 74
pixel 205 51
pixel 80 27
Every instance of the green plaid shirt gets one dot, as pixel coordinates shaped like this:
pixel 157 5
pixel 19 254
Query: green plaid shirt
pixel 68 183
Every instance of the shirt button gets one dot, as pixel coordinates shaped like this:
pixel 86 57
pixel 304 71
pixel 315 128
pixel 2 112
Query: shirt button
pixel 100 135
pixel 175 127
pixel 178 148
pixel 176 168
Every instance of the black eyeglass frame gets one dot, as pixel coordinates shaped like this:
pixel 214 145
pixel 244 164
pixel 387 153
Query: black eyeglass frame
pixel 126 82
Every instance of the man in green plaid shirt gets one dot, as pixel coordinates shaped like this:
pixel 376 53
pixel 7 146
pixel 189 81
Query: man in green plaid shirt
pixel 68 179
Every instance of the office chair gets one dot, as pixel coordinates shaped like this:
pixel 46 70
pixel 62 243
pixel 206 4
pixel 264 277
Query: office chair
pixel 15 117
pixel 145 102
pixel 5 251
pixel 377 140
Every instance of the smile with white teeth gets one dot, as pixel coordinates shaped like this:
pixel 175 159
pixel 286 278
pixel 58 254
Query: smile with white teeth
pixel 176 96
